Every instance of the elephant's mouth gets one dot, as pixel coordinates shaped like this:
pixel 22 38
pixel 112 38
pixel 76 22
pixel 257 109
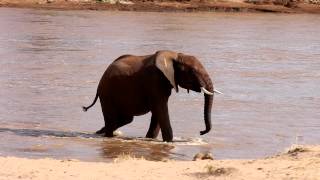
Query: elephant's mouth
pixel 191 87
pixel 197 89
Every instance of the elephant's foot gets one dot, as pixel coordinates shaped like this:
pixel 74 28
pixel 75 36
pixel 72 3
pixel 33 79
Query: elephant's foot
pixel 152 136
pixel 167 135
pixel 153 133
pixel 167 139
pixel 108 134
pixel 101 131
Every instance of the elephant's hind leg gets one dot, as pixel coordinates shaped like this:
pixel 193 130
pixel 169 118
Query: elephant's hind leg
pixel 124 121
pixel 101 131
pixel 115 124
pixel 110 118
pixel 154 128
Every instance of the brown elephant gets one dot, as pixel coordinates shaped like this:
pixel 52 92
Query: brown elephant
pixel 135 85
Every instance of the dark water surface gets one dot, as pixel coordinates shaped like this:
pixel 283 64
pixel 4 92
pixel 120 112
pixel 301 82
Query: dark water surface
pixel 267 65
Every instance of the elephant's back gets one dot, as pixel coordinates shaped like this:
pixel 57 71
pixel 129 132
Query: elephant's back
pixel 127 65
pixel 123 71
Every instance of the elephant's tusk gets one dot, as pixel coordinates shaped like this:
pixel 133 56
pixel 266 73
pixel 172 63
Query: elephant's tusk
pixel 216 91
pixel 206 91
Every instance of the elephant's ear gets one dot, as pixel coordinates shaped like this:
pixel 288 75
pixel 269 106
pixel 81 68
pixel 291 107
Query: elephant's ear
pixel 164 62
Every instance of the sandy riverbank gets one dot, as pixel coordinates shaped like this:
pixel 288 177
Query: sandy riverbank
pixel 297 163
pixel 280 6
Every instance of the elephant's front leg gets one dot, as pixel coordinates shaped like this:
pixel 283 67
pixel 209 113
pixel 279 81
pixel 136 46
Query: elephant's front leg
pixel 161 113
pixel 154 128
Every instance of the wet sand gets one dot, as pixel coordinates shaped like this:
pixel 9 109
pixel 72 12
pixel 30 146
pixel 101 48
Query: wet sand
pixel 296 163
pixel 166 6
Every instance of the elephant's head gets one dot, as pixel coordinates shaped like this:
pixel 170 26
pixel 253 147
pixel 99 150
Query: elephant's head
pixel 187 72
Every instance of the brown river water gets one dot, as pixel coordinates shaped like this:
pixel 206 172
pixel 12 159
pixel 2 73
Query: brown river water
pixel 267 65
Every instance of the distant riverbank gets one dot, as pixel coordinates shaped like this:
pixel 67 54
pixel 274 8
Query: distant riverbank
pixel 296 163
pixel 276 6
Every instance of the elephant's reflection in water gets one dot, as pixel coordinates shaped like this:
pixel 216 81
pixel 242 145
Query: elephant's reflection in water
pixel 113 148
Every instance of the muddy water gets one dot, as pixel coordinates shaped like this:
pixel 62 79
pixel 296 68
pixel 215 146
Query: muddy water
pixel 267 65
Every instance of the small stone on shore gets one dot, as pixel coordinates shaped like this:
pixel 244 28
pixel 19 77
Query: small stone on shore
pixel 203 156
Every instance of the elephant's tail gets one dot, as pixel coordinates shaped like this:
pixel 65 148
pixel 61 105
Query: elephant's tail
pixel 94 101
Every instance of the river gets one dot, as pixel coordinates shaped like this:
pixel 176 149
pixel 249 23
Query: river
pixel 267 66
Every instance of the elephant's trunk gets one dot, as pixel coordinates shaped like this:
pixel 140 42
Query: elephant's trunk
pixel 206 82
pixel 208 99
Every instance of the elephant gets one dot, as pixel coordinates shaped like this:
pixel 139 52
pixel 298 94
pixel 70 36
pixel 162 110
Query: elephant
pixel 135 85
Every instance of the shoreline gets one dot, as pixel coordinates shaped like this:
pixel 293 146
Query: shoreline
pixel 299 162
pixel 165 6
